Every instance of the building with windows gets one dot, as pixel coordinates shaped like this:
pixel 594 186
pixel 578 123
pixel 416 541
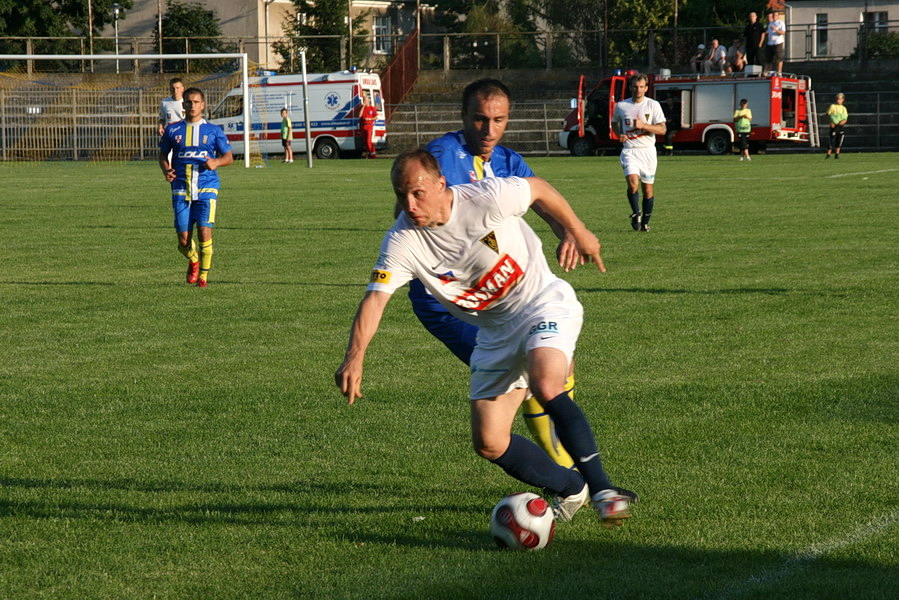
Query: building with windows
pixel 256 24
pixel 820 29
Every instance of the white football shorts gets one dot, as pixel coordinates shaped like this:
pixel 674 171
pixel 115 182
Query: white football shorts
pixel 499 361
pixel 640 161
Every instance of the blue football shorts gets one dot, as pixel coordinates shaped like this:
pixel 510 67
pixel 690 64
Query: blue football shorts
pixel 200 211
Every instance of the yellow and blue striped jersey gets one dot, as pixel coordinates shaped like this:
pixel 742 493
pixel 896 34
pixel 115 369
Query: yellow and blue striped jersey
pixel 191 144
pixel 459 165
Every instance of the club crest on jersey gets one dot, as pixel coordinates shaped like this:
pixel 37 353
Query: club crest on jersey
pixel 178 139
pixel 447 277
pixel 495 284
pixel 489 240
pixel 627 122
pixel 205 137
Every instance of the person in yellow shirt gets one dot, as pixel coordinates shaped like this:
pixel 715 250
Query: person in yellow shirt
pixel 838 115
pixel 743 125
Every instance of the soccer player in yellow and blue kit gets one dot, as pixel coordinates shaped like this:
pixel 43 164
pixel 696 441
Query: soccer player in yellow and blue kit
pixel 198 149
pixel 466 156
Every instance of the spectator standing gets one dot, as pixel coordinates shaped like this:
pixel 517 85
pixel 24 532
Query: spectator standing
pixel 774 39
pixel 286 136
pixel 367 119
pixel 752 37
pixel 743 125
pixel 838 115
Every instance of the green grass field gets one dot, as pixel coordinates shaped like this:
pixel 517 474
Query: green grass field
pixel 738 363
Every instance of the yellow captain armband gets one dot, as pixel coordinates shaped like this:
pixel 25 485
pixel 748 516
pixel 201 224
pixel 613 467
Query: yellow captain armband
pixel 379 276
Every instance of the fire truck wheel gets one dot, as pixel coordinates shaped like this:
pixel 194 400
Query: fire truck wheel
pixel 582 146
pixel 717 142
pixel 327 149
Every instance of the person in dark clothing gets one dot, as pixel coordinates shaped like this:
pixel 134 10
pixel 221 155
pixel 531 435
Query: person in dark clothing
pixel 752 35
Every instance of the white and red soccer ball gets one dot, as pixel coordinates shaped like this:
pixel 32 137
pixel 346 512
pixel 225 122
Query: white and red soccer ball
pixel 522 521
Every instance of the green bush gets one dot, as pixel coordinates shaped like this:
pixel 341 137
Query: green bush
pixel 883 45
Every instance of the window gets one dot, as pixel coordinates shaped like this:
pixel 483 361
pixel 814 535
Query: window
pixel 821 35
pixel 383 43
pixel 876 21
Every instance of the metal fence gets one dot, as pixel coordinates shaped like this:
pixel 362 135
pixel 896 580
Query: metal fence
pixel 120 124
pixel 71 123
pixel 666 47
pixel 535 126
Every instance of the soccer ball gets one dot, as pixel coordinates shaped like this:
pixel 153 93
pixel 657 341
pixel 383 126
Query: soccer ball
pixel 522 521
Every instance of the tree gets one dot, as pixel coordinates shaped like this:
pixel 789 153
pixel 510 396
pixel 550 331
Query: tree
pixel 320 26
pixel 515 51
pixel 62 18
pixel 192 28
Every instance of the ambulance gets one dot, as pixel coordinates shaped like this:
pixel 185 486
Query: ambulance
pixel 699 109
pixel 335 102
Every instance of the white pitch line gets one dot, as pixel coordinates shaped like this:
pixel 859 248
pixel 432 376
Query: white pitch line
pixel 861 173
pixel 808 555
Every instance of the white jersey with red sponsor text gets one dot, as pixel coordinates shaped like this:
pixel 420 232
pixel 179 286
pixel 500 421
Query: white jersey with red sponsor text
pixel 627 112
pixel 484 264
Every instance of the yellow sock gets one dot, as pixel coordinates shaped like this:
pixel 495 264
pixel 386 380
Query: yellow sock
pixel 542 430
pixel 189 252
pixel 205 258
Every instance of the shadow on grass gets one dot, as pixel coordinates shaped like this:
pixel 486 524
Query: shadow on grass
pixel 304 499
pixel 725 291
pixel 609 564
pixel 607 568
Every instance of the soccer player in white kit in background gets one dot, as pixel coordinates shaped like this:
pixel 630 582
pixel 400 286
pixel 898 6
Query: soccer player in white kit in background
pixel 171 109
pixel 637 121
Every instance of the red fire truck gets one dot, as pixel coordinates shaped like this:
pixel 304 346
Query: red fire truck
pixel 699 109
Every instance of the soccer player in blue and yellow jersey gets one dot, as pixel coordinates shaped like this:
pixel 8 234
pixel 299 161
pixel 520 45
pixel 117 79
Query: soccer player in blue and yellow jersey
pixel 198 149
pixel 469 155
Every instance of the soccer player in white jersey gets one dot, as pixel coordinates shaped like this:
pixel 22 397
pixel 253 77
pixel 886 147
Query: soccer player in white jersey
pixel 470 247
pixel 171 109
pixel 637 121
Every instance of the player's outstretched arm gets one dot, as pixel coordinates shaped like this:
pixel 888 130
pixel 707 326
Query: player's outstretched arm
pixel 554 204
pixel 349 375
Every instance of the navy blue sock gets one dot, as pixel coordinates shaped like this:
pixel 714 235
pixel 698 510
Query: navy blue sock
pixel 647 208
pixel 576 436
pixel 634 199
pixel 526 461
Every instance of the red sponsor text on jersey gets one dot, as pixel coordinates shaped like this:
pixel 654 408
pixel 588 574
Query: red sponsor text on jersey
pixel 492 286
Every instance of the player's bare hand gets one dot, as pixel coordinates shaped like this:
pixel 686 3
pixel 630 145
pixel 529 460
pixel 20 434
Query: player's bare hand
pixel 566 252
pixel 588 247
pixel 212 163
pixel 169 175
pixel 349 379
